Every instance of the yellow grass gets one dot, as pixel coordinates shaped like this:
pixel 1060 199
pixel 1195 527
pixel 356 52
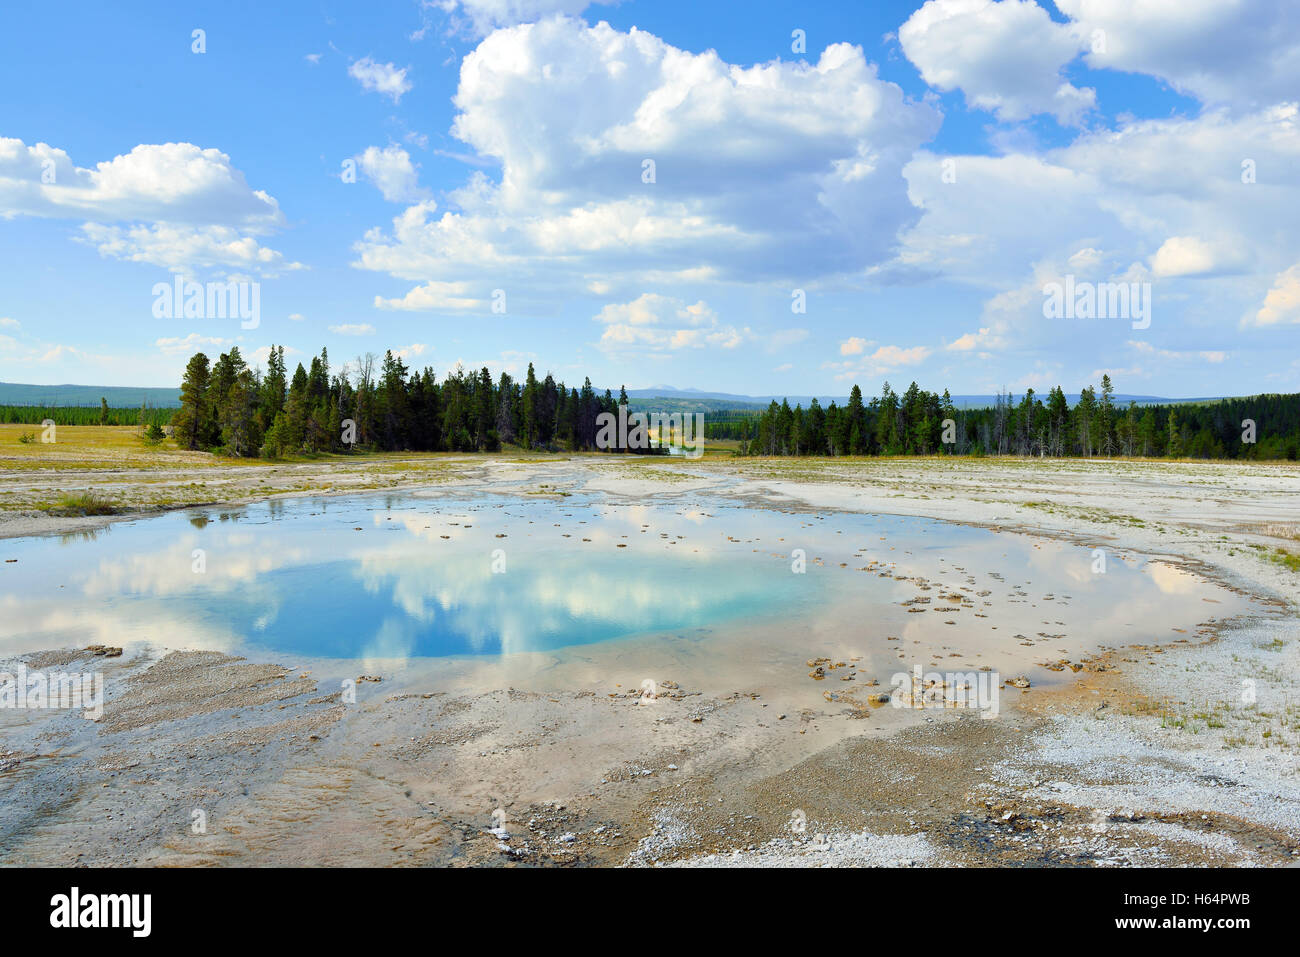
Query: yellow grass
pixel 73 437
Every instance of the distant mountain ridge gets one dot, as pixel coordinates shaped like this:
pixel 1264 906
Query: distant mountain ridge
pixel 728 400
pixel 118 397
pixel 675 400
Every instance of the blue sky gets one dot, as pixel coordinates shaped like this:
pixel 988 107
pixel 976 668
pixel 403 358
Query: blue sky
pixel 919 173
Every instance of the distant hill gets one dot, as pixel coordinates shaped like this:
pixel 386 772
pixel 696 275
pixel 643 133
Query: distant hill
pixel 669 399
pixel 118 397
pixel 668 404
pixel 657 398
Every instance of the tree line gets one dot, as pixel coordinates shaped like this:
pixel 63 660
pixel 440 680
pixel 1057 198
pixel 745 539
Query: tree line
pixel 924 423
pixel 382 405
pixel 143 417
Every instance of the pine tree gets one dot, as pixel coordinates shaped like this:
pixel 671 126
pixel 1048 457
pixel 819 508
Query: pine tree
pixel 1058 421
pixel 530 410
pixel 238 416
pixel 192 420
pixel 948 411
pixel 395 414
pixel 273 387
pixel 1106 417
pixel 857 417
pixel 295 409
pixel 505 409
pixel 1084 416
pixel 485 434
pixel 887 422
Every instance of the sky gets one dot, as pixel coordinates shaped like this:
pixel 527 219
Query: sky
pixel 757 198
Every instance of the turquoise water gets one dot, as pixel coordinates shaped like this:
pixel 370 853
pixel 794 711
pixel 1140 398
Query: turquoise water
pixel 402 576
pixel 385 577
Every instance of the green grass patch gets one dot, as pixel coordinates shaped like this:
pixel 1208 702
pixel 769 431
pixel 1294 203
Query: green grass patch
pixel 81 503
pixel 1289 559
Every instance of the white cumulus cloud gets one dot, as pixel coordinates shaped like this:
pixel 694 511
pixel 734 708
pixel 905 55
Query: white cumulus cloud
pixel 187 249
pixel 173 205
pixel 776 171
pixel 883 360
pixel 1244 53
pixel 655 323
pixel 1005 57
pixel 173 182
pixel 384 78
pixel 392 172
pixel 1282 304
pixel 484 16
pixel 436 297
pixel 1183 256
